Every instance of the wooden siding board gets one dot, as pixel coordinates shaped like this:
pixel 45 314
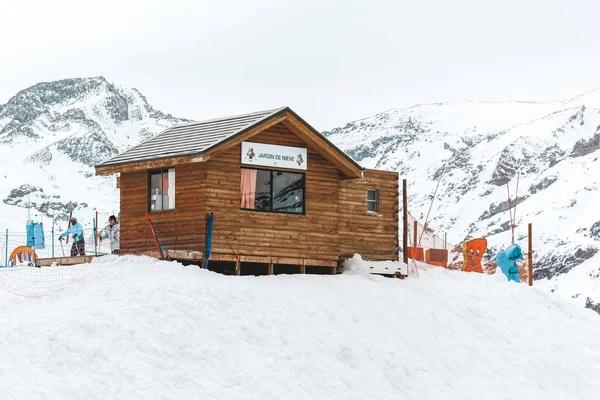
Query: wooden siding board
pixel 182 228
pixel 373 236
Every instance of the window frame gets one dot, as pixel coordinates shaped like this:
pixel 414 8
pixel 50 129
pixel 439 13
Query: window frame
pixel 376 201
pixel 271 191
pixel 154 172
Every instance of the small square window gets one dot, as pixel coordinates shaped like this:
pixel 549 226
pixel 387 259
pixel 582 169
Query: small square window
pixel 373 200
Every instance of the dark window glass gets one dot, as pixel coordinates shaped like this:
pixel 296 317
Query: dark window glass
pixel 274 191
pixel 288 192
pixel 262 200
pixel 373 200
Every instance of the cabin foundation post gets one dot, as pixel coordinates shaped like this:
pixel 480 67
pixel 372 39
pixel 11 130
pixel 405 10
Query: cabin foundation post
pixel 238 267
pixel 271 268
pixel 405 223
pixel 398 275
pixel 303 267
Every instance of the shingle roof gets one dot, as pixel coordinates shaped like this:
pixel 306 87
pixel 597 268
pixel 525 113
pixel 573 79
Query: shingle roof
pixel 196 138
pixel 190 138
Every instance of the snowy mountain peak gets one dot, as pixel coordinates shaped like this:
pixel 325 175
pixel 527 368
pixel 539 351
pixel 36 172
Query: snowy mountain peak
pixel 63 129
pixel 90 101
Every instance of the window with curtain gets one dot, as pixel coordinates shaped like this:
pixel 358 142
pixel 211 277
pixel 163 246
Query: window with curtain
pixel 162 190
pixel 272 191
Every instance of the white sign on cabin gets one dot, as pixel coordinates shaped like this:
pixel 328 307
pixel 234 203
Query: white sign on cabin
pixel 271 155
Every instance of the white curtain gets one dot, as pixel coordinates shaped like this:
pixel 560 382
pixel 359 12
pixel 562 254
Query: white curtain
pixel 171 189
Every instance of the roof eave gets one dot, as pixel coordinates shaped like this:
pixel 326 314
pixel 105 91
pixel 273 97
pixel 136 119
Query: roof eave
pixel 327 140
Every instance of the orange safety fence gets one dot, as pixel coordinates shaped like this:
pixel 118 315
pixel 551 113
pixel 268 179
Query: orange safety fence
pixel 426 246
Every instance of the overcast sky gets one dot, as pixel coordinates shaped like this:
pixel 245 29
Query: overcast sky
pixel 331 61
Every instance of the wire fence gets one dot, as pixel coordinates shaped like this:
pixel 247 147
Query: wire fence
pixel 29 281
pixel 20 275
pixel 52 247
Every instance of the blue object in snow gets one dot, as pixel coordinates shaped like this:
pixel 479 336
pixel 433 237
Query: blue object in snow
pixel 209 229
pixel 35 235
pixel 507 261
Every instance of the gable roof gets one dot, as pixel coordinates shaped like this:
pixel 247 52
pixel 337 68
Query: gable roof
pixel 190 138
pixel 198 138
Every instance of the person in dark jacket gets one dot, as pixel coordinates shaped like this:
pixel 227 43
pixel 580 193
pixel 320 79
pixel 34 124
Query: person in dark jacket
pixel 76 231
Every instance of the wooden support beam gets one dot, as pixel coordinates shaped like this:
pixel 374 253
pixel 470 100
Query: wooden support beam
pixel 302 268
pixel 146 165
pixel 222 257
pixel 184 255
pixel 286 260
pixel 238 267
pixel 405 217
pixel 320 263
pixel 270 272
pixel 334 270
pixel 415 242
pixel 256 259
pixel 48 262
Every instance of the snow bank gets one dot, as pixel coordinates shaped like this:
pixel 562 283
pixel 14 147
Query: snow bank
pixel 156 329
pixel 357 266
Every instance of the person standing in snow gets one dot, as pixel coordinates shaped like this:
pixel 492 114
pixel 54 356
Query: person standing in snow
pixel 76 231
pixel 112 232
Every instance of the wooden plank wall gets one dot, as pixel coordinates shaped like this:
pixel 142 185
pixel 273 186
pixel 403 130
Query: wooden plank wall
pixel 374 237
pixel 183 228
pixel 241 232
pixel 336 224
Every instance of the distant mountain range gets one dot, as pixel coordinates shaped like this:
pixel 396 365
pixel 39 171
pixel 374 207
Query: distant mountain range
pixel 551 150
pixel 52 134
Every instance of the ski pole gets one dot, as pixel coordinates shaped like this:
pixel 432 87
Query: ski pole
pixel 61 246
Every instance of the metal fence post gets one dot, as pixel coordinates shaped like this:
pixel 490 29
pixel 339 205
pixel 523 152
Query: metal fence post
pixel 95 241
pixel 53 240
pixel 6 255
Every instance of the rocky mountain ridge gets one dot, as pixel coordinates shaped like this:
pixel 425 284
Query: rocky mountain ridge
pixel 478 152
pixel 55 132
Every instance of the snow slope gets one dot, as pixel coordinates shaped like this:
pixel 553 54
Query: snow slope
pixel 549 151
pixel 158 330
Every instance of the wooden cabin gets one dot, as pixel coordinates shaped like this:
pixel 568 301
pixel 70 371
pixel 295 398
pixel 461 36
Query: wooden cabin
pixel 280 194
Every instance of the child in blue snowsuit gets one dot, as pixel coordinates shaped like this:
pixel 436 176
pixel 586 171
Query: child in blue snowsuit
pixel 76 231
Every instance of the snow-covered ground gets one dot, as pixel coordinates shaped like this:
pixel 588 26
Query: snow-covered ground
pixel 149 329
